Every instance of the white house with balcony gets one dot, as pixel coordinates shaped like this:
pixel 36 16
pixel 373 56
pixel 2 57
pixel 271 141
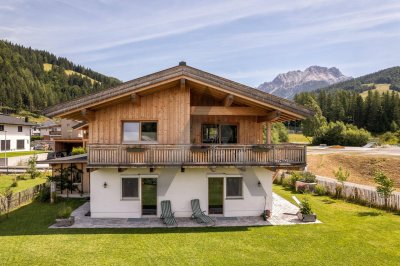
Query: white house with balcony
pixel 15 134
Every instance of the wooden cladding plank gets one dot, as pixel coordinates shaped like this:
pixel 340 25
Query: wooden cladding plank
pixel 170 108
pixel 222 110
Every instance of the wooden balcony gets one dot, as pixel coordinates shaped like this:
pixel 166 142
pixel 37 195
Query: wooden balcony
pixel 283 156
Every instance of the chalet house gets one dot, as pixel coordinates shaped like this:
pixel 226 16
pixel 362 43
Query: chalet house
pixel 15 134
pixel 183 134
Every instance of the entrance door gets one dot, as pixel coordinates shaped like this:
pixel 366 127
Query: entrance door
pixel 216 195
pixel 149 196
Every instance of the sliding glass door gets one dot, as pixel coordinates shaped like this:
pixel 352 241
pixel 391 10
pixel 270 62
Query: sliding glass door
pixel 149 196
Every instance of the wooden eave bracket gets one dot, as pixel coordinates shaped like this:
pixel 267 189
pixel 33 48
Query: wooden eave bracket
pixel 228 100
pixel 135 99
pixel 270 117
pixel 88 114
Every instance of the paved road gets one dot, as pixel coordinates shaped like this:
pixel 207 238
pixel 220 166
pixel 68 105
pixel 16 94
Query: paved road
pixel 385 151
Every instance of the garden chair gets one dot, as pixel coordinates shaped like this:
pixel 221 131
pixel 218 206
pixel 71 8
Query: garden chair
pixel 166 213
pixel 198 214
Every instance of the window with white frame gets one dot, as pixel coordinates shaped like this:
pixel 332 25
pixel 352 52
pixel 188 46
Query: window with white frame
pixel 130 188
pixel 234 187
pixel 139 131
pixel 19 128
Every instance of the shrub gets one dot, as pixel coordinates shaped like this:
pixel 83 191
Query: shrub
pixel 295 176
pixel 308 177
pixel 338 133
pixel 78 150
pixel 64 212
pixel 279 133
pixel 32 170
pixel 44 194
pixel 14 183
pixel 319 190
pixel 385 186
pixel 305 207
pixel 389 138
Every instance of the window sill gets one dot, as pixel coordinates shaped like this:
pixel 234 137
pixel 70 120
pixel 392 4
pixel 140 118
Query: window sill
pixel 130 199
pixel 234 198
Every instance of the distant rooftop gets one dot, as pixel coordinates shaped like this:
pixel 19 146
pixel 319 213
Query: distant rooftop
pixel 10 120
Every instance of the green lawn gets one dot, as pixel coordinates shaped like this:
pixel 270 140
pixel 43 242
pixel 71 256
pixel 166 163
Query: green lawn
pixel 7 180
pixel 299 138
pixel 350 235
pixel 19 153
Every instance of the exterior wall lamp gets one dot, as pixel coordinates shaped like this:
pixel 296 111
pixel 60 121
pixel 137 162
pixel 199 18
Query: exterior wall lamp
pixel 105 185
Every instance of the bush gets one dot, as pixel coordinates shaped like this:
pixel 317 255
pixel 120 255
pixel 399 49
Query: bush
pixel 44 195
pixel 279 133
pixel 305 207
pixel 78 150
pixel 14 183
pixel 389 138
pixel 319 190
pixel 295 176
pixel 308 177
pixel 338 133
pixel 64 212
pixel 33 138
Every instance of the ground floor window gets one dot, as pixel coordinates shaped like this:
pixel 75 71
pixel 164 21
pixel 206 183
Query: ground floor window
pixel 130 188
pixel 5 145
pixel 20 144
pixel 234 187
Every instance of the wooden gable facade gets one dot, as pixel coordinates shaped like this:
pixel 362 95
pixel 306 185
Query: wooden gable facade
pixel 181 100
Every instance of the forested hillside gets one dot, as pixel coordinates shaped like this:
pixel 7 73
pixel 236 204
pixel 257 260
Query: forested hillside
pixel 26 84
pixel 386 76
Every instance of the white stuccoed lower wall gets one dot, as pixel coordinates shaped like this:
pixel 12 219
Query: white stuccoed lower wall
pixel 180 188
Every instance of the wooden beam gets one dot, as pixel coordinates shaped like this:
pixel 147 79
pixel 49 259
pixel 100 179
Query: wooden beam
pixel 228 100
pixel 88 114
pixel 222 110
pixel 120 170
pixel 135 99
pixel 183 84
pixel 270 117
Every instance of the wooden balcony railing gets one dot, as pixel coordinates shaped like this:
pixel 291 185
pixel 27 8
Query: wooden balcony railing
pixel 192 155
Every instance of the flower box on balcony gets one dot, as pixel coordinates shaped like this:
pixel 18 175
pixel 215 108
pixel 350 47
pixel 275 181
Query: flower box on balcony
pixel 199 148
pixel 258 148
pixel 137 148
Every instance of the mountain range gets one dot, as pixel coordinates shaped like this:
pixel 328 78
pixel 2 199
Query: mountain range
pixel 287 85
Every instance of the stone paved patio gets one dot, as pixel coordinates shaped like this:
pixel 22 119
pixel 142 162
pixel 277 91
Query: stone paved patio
pixel 283 213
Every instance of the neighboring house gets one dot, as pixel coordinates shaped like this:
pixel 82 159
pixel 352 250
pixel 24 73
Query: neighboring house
pixel 15 134
pixel 63 136
pixel 181 134
pixel 50 130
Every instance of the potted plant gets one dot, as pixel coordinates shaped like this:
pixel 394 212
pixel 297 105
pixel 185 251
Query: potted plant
pixel 266 214
pixel 64 217
pixel 305 214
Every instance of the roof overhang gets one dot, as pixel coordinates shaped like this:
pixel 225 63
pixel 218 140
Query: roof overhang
pixel 79 108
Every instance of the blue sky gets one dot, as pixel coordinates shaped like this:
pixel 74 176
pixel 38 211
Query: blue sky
pixel 247 41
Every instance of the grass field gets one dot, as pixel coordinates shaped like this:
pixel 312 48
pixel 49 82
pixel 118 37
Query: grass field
pixel 299 138
pixel 48 67
pixel 7 180
pixel 19 153
pixel 381 88
pixel 349 235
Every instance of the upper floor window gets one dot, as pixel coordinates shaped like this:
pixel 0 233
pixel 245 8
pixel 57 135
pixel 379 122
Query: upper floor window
pixel 1 127
pixel 219 133
pixel 139 131
pixel 19 128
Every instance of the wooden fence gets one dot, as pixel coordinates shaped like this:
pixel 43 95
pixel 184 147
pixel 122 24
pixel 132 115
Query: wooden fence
pixel 360 193
pixel 22 197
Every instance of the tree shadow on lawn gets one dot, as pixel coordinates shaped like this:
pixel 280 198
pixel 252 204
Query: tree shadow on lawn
pixel 371 214
pixel 35 219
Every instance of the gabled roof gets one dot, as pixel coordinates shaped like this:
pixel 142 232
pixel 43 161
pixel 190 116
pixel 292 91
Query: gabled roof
pixel 9 120
pixel 182 71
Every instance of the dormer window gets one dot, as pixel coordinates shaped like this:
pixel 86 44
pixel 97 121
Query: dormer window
pixel 139 132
